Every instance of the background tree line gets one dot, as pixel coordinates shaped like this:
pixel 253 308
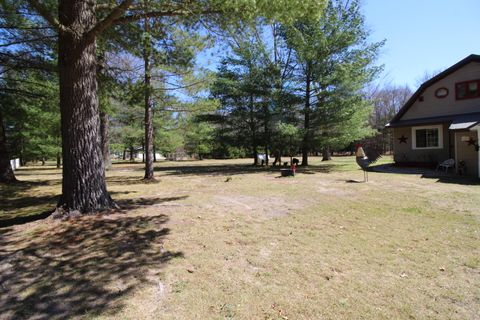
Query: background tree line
pixel 82 80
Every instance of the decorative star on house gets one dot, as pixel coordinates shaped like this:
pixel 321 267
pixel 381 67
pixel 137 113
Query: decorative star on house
pixel 403 139
pixel 472 142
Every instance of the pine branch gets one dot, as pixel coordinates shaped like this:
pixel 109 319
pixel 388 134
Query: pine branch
pixel 20 92
pixel 24 28
pixel 108 21
pixel 159 14
pixel 23 81
pixel 21 61
pixel 26 41
pixel 48 17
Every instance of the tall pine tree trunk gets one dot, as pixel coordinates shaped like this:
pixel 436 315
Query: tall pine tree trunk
pixel 267 131
pixel 253 131
pixel 327 155
pixel 83 185
pixel 306 110
pixel 59 160
pixel 148 145
pixel 132 152
pixel 6 171
pixel 104 139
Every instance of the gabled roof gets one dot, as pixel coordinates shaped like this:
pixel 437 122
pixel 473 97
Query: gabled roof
pixel 464 121
pixel 428 83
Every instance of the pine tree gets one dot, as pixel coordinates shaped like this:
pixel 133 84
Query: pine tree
pixel 335 63
pixel 78 26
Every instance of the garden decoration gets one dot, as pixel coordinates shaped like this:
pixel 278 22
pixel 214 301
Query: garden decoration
pixel 365 159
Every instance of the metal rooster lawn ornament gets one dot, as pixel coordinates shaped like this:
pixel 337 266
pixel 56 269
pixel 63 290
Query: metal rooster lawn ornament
pixel 365 159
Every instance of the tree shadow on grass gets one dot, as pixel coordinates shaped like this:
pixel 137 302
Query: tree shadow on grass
pixel 130 204
pixel 20 202
pixel 39 168
pixel 213 170
pixel 80 267
pixel 313 169
pixel 14 189
pixel 226 170
pixel 428 173
pixel 454 179
pixel 6 221
pixel 124 180
pixel 19 206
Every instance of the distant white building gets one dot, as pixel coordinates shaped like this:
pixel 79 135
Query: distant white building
pixel 15 163
pixel 262 157
pixel 139 156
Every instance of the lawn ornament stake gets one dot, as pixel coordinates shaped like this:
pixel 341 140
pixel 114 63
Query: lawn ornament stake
pixel 364 160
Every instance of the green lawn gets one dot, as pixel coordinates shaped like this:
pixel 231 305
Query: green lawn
pixel 218 239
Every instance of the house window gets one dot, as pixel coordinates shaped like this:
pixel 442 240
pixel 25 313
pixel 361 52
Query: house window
pixel 467 89
pixel 428 137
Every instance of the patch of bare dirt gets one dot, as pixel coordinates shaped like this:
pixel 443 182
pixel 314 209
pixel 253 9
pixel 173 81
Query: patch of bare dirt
pixel 334 188
pixel 268 207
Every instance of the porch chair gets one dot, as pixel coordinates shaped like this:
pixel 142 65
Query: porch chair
pixel 450 163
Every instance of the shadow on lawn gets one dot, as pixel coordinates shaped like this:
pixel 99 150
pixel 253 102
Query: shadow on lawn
pixel 80 267
pixel 21 219
pixel 18 206
pixel 38 168
pixel 124 180
pixel 129 204
pixel 21 202
pixel 14 189
pixel 428 173
pixel 225 170
pixel 454 179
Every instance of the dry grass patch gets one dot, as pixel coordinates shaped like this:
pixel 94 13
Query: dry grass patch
pixel 197 245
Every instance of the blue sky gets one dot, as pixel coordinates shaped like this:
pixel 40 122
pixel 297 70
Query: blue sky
pixel 422 35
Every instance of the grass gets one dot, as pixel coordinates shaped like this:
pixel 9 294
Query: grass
pixel 197 245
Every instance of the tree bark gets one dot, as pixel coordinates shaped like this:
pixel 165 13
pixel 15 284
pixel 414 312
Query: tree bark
pixel 306 135
pixel 59 160
pixel 253 130
pixel 132 151
pixel 326 154
pixel 104 139
pixel 266 112
pixel 278 158
pixel 6 171
pixel 83 185
pixel 148 145
pixel 124 156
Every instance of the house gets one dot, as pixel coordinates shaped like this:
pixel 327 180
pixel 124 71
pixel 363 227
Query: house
pixel 442 120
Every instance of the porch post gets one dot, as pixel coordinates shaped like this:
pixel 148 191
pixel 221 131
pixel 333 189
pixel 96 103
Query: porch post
pixel 477 128
pixel 456 151
pixel 478 152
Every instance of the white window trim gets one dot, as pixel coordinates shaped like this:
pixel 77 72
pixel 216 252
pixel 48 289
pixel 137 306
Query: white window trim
pixel 440 137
